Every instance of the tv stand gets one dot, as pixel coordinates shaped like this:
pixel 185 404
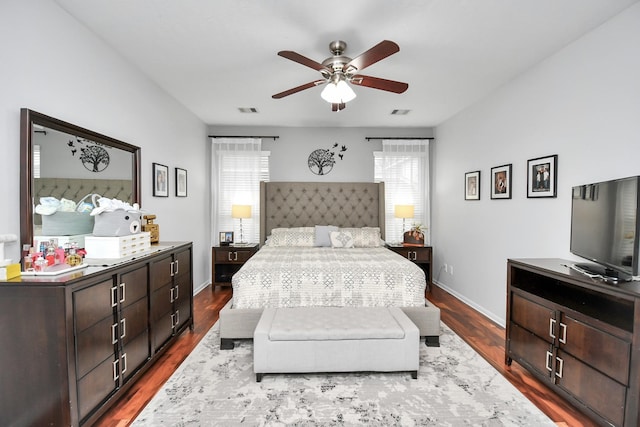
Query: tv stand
pixel 580 336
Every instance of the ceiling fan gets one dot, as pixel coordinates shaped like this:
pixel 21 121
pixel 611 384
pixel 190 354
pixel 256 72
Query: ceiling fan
pixel 339 70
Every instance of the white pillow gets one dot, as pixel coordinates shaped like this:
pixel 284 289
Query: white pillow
pixel 364 237
pixel 295 236
pixel 341 239
pixel 322 234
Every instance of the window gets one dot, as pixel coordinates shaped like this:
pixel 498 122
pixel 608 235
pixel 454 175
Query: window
pixel 238 166
pixel 403 165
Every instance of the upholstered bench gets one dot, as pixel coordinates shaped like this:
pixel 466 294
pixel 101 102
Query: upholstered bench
pixel 335 339
pixel 240 323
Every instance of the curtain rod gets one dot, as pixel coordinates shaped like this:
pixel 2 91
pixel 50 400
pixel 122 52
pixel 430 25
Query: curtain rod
pixel 369 138
pixel 245 136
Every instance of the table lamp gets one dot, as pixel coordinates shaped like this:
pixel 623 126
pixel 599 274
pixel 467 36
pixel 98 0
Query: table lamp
pixel 239 212
pixel 404 212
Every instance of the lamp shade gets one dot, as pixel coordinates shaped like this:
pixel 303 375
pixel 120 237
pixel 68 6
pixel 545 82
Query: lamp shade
pixel 241 211
pixel 337 93
pixel 403 211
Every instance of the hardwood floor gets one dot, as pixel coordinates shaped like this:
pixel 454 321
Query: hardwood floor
pixel 483 335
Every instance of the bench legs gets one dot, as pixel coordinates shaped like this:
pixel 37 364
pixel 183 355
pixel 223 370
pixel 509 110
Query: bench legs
pixel 226 344
pixel 432 341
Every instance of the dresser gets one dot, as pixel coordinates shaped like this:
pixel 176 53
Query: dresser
pixel 71 344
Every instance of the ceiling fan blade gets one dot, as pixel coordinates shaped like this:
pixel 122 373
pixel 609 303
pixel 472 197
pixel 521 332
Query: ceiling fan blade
pixel 298 89
pixel 300 59
pixel 378 83
pixel 378 52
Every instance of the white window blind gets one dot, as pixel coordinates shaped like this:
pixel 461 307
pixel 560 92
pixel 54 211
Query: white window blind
pixel 238 165
pixel 403 165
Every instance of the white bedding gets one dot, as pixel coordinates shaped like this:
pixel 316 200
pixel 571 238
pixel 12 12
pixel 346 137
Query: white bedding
pixel 324 276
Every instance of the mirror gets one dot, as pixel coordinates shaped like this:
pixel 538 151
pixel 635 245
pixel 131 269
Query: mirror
pixel 56 155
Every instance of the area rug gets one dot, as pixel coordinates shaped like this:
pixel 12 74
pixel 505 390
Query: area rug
pixel 455 387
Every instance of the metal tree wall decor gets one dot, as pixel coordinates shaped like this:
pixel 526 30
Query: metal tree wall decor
pixel 322 160
pixel 93 156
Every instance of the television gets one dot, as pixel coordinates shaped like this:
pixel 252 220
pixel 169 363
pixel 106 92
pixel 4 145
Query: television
pixel 604 228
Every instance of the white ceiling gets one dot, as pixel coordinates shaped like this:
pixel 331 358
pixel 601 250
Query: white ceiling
pixel 215 56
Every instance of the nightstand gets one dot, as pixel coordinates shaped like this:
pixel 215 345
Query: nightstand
pixel 227 260
pixel 419 255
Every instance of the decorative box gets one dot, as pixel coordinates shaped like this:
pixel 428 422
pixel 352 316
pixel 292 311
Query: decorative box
pixel 117 246
pixel 9 271
pixel 413 238
pixel 67 223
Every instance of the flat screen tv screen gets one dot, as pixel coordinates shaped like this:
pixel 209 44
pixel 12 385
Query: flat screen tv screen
pixel 604 227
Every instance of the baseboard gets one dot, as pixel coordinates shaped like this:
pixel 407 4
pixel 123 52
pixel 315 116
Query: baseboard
pixel 496 319
pixel 202 286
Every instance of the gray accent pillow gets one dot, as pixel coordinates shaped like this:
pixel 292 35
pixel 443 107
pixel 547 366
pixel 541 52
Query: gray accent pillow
pixel 323 234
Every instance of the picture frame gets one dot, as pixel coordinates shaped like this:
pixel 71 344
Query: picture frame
pixel 541 177
pixel 472 185
pixel 160 180
pixel 226 238
pixel 501 182
pixel 181 182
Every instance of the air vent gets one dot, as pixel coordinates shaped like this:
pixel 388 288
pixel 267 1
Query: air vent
pixel 248 110
pixel 400 112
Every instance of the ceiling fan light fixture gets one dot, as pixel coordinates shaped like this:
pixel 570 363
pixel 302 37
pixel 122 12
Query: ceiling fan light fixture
pixel 338 93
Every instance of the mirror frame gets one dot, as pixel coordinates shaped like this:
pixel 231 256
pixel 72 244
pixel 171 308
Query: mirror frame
pixel 27 119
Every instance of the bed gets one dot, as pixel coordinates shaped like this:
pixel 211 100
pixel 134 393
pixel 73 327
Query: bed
pixel 301 262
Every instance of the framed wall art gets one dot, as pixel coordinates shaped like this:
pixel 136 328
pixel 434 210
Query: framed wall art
pixel 472 185
pixel 541 177
pixel 160 180
pixel 181 182
pixel 501 182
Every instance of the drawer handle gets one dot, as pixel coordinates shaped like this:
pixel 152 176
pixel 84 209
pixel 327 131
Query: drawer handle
pixel 171 268
pixel 114 335
pixel 123 322
pixel 124 363
pixel 177 266
pixel 114 296
pixel 548 361
pixel 116 374
pixel 563 340
pixel 175 319
pixel 560 367
pixel 177 293
pixel 123 287
pixel 552 326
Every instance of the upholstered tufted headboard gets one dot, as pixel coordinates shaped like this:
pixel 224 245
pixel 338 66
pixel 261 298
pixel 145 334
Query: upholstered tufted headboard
pixel 305 204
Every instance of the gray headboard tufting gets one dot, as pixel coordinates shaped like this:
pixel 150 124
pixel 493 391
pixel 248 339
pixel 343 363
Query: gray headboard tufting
pixel 305 204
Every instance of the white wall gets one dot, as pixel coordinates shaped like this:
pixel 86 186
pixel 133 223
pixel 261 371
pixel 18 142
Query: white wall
pixel 54 65
pixel 582 104
pixel 289 153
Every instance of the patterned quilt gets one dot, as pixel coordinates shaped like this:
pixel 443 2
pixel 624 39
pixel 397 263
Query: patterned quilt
pixel 324 276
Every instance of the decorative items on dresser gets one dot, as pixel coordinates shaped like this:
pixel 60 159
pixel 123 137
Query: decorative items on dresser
pixel 419 255
pixel 579 335
pixel 227 260
pixel 79 340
